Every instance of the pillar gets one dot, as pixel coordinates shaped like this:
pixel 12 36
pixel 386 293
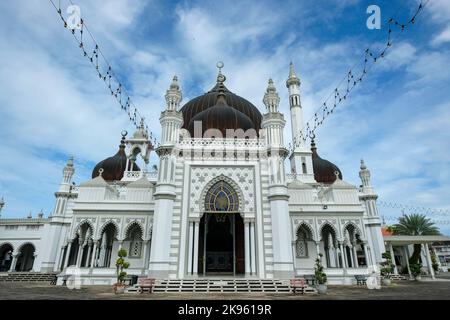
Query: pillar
pixel 79 255
pixel 405 252
pixel 14 262
pixel 318 248
pixel 343 255
pixel 190 251
pixel 247 247
pixel 61 257
pixel 89 254
pixel 391 249
pixel 355 254
pixel 145 254
pixel 366 254
pixel 196 237
pixel 253 248
pixel 69 247
pixel 430 263
pixel 94 255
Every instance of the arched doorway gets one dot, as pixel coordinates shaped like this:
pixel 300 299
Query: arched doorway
pixel 108 236
pixel 221 234
pixel 25 260
pixel 6 251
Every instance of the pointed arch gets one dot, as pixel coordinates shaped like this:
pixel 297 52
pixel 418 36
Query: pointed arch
pixel 130 225
pixel 231 183
pixel 351 224
pixel 80 225
pixel 104 225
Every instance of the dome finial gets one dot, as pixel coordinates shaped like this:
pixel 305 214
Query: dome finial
pixel 220 77
pixel 100 172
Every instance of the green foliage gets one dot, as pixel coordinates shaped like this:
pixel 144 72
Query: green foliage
pixel 387 267
pixel 121 264
pixel 415 269
pixel 415 225
pixel 320 275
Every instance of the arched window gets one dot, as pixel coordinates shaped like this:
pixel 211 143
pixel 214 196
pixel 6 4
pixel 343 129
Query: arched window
pixel 221 197
pixel 135 237
pixel 301 243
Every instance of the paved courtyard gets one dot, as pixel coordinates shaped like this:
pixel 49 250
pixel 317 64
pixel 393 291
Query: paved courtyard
pixel 409 290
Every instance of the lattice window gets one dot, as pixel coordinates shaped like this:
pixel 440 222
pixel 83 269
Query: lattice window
pixel 135 242
pixel 221 197
pixel 301 243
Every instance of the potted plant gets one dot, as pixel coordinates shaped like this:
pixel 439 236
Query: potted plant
pixel 321 277
pixel 416 270
pixel 121 264
pixel 387 268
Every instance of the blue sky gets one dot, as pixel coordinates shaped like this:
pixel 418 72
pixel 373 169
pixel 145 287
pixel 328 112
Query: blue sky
pixel 53 105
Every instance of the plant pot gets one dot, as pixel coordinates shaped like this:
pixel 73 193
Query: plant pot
pixel 386 281
pixel 321 288
pixel 418 278
pixel 119 288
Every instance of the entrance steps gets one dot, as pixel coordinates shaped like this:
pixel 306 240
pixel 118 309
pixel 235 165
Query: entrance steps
pixel 222 286
pixel 27 277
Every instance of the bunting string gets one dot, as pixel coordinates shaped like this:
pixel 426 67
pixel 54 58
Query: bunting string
pixel 93 53
pixel 353 77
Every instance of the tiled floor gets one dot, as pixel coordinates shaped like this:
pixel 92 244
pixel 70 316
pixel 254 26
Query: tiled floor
pixel 430 290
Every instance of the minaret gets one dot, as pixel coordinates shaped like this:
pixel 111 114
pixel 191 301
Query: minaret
pixel 372 220
pixel 59 222
pixel 301 161
pixel 273 124
pixel 64 191
pixel 171 120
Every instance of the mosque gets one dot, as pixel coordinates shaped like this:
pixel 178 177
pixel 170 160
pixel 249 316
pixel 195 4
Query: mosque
pixel 218 204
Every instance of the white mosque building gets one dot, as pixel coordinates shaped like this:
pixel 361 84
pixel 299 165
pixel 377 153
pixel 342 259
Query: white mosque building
pixel 220 203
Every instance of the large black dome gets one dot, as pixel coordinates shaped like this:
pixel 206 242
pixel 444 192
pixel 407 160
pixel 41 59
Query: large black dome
pixel 114 167
pixel 324 170
pixel 246 110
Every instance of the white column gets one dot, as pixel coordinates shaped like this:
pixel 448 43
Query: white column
pixel 94 255
pixel 89 255
pixel 355 253
pixel 352 260
pixel 79 255
pixel 318 248
pixel 405 253
pixel 61 257
pixel 247 247
pixel 391 249
pixel 12 268
pixel 430 263
pixel 196 237
pixel 366 254
pixel 145 254
pixel 190 251
pixel 68 254
pixel 253 248
pixel 344 256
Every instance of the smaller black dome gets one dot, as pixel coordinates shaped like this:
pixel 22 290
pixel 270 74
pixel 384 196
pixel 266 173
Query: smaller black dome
pixel 324 170
pixel 114 167
pixel 222 117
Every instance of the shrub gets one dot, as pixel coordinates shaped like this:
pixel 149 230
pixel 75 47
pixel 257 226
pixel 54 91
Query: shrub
pixel 121 264
pixel 320 275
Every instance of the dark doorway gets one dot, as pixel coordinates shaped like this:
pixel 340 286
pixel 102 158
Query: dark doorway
pixel 222 250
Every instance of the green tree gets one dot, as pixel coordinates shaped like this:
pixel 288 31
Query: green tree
pixel 415 225
pixel 120 265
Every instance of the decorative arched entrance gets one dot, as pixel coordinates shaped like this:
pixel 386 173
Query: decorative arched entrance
pixel 25 260
pixel 221 234
pixel 6 251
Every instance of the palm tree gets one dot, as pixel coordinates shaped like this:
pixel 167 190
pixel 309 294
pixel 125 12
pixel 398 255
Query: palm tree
pixel 415 225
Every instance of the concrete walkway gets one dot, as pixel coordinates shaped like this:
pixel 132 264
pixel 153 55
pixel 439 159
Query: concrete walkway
pixel 405 290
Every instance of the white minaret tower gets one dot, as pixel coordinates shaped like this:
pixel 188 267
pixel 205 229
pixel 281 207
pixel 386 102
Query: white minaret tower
pixel 372 220
pixel 273 124
pixel 301 161
pixel 171 120
pixel 53 249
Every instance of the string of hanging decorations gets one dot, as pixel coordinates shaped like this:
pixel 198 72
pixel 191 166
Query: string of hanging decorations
pixel 353 77
pixel 413 209
pixel 92 51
